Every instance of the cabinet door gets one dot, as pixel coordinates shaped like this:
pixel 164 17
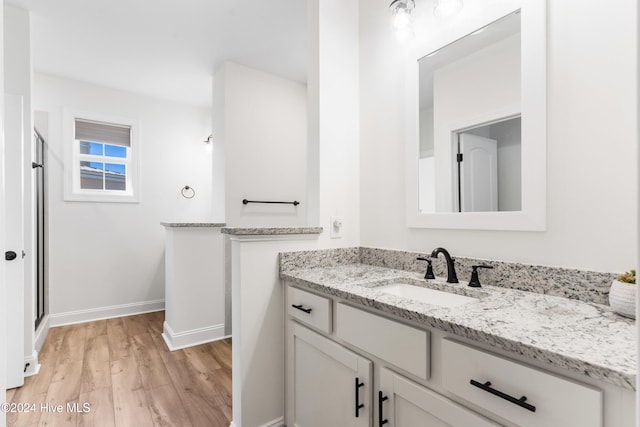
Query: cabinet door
pixel 325 378
pixel 406 404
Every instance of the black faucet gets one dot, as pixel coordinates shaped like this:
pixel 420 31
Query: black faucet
pixel 451 268
pixel 475 280
pixel 429 274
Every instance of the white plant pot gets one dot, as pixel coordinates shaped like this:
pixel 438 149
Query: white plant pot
pixel 622 298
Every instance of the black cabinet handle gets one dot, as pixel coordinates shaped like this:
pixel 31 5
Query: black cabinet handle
pixel 381 399
pixel 301 308
pixel 358 404
pixel 10 256
pixel 522 402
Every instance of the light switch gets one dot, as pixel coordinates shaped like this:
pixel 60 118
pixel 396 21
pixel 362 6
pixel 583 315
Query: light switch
pixel 336 227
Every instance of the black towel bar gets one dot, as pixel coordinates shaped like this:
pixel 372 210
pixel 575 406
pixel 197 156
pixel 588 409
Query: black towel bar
pixel 294 203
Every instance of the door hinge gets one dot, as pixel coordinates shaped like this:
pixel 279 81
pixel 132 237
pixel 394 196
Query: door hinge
pixel 35 165
pixel 459 157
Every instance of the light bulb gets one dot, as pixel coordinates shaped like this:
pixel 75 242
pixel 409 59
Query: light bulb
pixel 444 8
pixel 402 19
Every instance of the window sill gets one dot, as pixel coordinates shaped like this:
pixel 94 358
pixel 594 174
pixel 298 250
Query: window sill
pixel 101 198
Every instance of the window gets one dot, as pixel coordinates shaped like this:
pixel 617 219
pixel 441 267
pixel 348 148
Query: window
pixel 102 160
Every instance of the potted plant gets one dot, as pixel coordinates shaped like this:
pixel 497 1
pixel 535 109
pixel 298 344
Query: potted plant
pixel 622 295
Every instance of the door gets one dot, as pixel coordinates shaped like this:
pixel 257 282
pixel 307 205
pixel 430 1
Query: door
pixel 332 385
pixel 406 404
pixel 478 174
pixel 14 268
pixel 39 170
pixel 3 395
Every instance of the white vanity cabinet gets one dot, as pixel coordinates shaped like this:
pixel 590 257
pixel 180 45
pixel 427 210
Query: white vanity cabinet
pixel 332 385
pixel 415 377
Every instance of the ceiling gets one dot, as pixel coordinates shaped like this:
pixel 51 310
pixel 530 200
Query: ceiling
pixel 166 48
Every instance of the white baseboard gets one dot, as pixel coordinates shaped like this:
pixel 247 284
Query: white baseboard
pixel 177 341
pixel 275 423
pixel 81 316
pixel 41 333
pixel 33 366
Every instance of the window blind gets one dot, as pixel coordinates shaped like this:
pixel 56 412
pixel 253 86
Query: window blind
pixel 90 131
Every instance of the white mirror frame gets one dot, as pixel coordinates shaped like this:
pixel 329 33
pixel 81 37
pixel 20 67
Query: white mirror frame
pixel 533 215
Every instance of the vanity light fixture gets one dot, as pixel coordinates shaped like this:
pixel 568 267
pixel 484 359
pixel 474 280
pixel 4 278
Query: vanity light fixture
pixel 402 19
pixel 444 8
pixel 402 15
pixel 209 143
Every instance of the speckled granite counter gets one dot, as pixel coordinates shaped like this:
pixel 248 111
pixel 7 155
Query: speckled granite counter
pixel 585 338
pixel 192 224
pixel 259 231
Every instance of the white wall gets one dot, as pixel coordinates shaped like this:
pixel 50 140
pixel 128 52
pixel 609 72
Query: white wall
pixel 334 108
pixel 281 140
pixel 218 156
pixel 262 121
pixel 106 254
pixel 592 142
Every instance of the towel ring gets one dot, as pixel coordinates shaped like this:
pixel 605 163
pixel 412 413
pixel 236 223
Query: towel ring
pixel 188 192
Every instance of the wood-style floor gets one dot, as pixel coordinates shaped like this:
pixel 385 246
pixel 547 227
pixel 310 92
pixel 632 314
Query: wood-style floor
pixel 123 369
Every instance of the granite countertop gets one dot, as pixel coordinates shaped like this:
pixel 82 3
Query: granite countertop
pixel 193 224
pixel 265 231
pixel 582 337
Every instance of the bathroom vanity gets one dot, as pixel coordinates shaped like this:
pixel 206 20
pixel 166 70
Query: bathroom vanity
pixel 364 348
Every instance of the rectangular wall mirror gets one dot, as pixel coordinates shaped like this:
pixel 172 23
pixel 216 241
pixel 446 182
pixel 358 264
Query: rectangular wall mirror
pixel 476 138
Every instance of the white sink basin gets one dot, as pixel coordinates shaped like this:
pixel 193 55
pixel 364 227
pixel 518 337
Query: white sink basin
pixel 426 295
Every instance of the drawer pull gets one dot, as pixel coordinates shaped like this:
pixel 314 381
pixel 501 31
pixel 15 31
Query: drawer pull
pixel 381 399
pixel 301 308
pixel 522 402
pixel 358 404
